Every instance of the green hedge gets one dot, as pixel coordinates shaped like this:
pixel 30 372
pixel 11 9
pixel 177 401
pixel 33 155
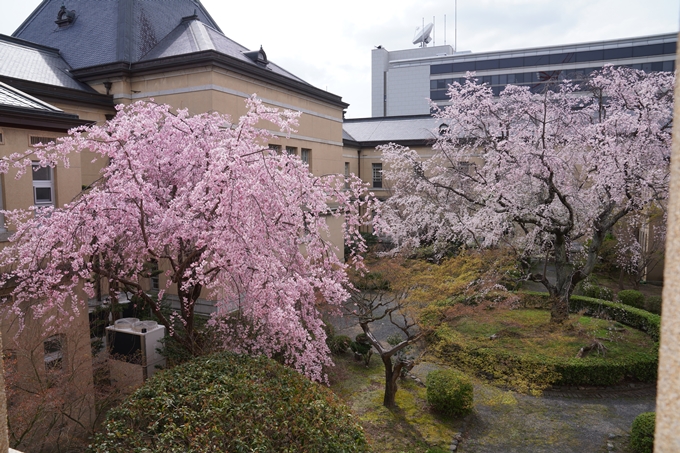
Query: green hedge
pixel 642 433
pixel 631 297
pixel 653 304
pixel 534 372
pixel 449 392
pixel 228 402
pixel 597 308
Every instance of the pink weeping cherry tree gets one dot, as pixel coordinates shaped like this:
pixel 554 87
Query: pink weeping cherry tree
pixel 547 174
pixel 226 219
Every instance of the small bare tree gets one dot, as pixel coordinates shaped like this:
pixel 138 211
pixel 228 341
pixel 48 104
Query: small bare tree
pixel 378 298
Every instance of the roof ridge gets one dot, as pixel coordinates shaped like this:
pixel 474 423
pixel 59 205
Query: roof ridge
pixel 29 44
pixel 31 16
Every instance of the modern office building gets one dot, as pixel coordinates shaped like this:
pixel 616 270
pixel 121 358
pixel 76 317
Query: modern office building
pixel 403 81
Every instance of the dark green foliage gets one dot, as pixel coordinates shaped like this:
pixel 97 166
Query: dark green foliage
pixel 642 433
pixel 227 402
pixel 653 304
pixel 338 344
pixel 632 297
pixel 362 348
pixel 449 392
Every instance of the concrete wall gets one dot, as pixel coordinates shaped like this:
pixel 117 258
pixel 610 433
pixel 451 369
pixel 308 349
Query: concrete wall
pixel 667 436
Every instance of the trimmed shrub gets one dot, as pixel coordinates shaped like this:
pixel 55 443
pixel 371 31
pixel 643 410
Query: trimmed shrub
pixel 597 292
pixel 653 304
pixel 229 402
pixel 632 297
pixel 449 392
pixel 642 433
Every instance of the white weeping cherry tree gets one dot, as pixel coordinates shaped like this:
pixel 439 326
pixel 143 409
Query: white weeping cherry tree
pixel 554 170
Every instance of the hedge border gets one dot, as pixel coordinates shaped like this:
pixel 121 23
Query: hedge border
pixel 572 371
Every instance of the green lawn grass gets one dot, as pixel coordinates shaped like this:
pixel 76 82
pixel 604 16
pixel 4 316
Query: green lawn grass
pixel 529 331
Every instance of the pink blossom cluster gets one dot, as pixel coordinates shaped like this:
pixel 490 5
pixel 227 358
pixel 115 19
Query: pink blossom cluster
pixel 226 218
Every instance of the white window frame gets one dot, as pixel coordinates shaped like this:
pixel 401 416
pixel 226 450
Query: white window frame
pixel 43 184
pixel 377 175
pixel 306 156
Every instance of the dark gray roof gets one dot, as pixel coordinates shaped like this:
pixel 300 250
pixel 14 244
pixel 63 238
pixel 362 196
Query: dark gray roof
pixel 26 61
pixel 11 97
pixel 108 31
pixel 195 36
pixel 392 129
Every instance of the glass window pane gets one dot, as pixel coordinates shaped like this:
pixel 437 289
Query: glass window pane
pixel 516 62
pixel 43 195
pixel 41 173
pixel 645 51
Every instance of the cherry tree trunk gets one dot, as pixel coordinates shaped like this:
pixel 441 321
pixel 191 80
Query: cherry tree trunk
pixel 559 309
pixel 391 376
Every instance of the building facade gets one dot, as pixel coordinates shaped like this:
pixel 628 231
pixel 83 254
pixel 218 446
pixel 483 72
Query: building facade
pixel 71 62
pixel 404 81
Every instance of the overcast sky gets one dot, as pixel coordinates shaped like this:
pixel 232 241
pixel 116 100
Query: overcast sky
pixel 329 44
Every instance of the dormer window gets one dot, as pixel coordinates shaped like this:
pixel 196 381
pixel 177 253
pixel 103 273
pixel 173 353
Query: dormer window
pixel 65 17
pixel 258 56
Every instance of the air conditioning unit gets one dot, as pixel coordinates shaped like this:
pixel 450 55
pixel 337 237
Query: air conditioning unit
pixel 135 343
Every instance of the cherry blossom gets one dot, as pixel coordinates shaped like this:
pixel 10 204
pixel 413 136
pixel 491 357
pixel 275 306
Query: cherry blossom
pixel 552 172
pixel 226 219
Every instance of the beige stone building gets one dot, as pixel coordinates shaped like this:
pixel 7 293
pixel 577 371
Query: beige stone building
pixel 71 62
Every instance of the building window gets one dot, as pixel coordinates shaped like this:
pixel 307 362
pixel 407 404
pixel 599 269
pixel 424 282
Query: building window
pixel 275 148
pixel 466 168
pixel 2 138
pixel 38 140
pixel 305 155
pixel 377 176
pixel 154 281
pixel 346 175
pixel 43 185
pixel 54 348
pixel 291 150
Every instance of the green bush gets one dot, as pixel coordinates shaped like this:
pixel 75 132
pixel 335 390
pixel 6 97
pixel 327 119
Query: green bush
pixel 653 304
pixel 449 392
pixel 597 292
pixel 632 297
pixel 228 402
pixel 642 433
pixel 338 344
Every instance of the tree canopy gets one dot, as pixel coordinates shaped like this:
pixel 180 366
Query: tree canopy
pixel 547 173
pixel 220 213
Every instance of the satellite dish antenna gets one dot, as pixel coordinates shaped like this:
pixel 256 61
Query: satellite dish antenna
pixel 422 35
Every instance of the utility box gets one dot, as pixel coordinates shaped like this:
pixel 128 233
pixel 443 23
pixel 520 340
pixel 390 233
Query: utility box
pixel 135 343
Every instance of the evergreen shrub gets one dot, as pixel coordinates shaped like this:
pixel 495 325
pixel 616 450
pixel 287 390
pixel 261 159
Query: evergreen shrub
pixel 229 402
pixel 632 297
pixel 642 433
pixel 449 392
pixel 653 304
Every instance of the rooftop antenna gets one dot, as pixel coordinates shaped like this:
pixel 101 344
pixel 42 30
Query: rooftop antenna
pixel 444 29
pixel 422 35
pixel 434 33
